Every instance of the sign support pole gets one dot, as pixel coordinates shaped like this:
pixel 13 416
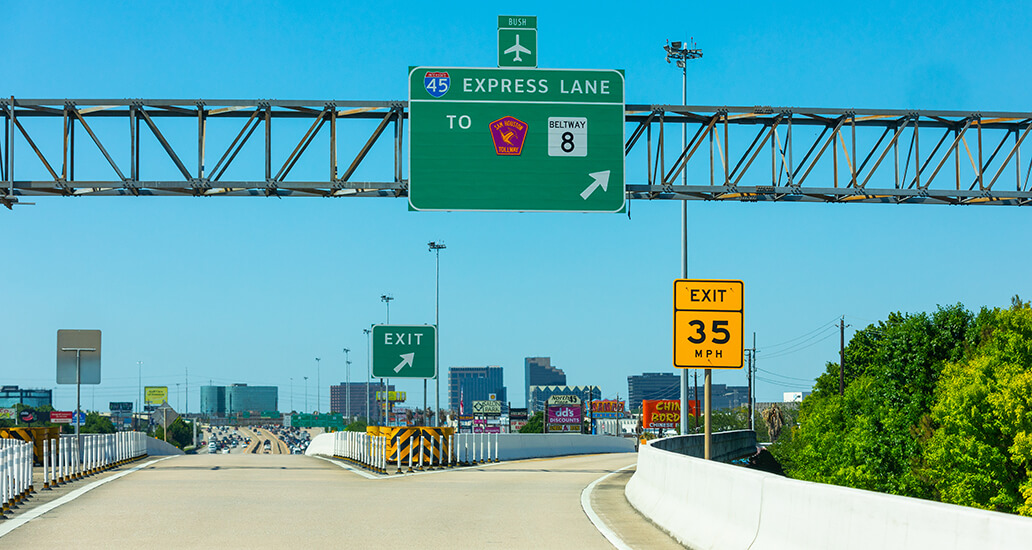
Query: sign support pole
pixel 78 391
pixel 709 409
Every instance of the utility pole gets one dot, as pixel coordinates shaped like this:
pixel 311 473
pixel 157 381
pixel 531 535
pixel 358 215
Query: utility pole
pixel 842 356
pixel 318 383
pixel 752 381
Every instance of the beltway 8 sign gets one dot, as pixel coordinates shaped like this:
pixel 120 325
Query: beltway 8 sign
pixel 516 139
pixel 708 323
pixel 404 351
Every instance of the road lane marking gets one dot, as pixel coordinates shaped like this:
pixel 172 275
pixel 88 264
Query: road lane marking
pixel 585 502
pixel 11 525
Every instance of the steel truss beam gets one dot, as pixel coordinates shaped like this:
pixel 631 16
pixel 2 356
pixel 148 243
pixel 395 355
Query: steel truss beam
pixel 894 168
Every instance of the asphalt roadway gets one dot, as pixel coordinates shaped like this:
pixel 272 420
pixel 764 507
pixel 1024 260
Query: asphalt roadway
pixel 278 501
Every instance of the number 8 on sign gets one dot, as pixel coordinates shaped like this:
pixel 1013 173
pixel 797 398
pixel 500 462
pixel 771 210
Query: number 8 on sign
pixel 567 137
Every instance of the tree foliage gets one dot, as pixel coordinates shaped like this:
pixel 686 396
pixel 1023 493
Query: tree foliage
pixel 980 453
pixel 871 436
pixel 535 424
pixel 935 406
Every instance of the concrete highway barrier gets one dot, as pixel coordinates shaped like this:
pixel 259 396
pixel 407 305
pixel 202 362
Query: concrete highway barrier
pixel 510 446
pixel 710 505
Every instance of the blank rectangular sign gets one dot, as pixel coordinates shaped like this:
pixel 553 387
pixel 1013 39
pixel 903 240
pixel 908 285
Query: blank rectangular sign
pixel 88 342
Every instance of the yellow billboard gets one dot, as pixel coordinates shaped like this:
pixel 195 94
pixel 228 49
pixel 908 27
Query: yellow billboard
pixel 155 395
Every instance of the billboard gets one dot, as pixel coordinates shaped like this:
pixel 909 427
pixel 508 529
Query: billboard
pixel 665 413
pixel 61 417
pixel 487 408
pixel 564 417
pixel 8 414
pixel 396 396
pixel 518 414
pixel 120 406
pixel 155 395
pixel 608 408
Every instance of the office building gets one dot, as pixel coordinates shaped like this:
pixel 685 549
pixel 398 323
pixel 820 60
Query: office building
pixel 238 398
pixel 357 391
pixel 13 395
pixel 539 395
pixel 665 385
pixel 538 371
pixel 476 384
pixel 653 385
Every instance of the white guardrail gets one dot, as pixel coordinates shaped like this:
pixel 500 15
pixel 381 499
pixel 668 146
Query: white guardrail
pixel 710 505
pixel 15 471
pixel 362 449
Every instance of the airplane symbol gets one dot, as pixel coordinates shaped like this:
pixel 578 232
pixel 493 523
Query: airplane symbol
pixel 507 136
pixel 517 49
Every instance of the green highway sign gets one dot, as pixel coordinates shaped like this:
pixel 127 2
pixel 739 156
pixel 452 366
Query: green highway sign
pixel 517 41
pixel 512 139
pixel 404 351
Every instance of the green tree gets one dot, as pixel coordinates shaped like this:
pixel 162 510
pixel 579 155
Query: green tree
pixel 872 437
pixel 980 453
pixel 535 424
pixel 357 426
pixel 97 424
pixel 180 433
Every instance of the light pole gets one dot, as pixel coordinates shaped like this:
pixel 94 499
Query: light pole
pixel 291 394
pixel 436 248
pixel 347 382
pixel 681 54
pixel 369 373
pixel 386 298
pixel 306 393
pixel 139 404
pixel 318 383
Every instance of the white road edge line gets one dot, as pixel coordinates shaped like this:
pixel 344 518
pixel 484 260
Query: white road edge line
pixel 347 467
pixel 585 502
pixel 11 525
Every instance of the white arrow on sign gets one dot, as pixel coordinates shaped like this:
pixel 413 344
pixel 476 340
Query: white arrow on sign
pixel 601 180
pixel 406 360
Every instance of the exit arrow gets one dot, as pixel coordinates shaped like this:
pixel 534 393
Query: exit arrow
pixel 406 360
pixel 601 180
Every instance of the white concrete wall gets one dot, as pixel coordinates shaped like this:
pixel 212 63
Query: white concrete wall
pixel 519 446
pixel 321 444
pixel 710 505
pixel 157 447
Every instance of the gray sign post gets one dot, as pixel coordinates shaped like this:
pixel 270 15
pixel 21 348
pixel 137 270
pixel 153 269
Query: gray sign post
pixel 78 362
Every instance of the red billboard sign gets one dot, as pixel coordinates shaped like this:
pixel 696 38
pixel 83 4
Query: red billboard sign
pixel 61 417
pixel 665 413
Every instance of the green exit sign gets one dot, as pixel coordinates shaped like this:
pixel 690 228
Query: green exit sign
pixel 404 351
pixel 516 139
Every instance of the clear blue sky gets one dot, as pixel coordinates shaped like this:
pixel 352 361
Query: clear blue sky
pixel 252 290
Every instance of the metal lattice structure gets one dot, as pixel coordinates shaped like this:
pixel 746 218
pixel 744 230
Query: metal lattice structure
pixel 734 154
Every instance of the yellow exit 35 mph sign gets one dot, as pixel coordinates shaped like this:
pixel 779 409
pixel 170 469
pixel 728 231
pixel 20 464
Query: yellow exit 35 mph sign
pixel 708 323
